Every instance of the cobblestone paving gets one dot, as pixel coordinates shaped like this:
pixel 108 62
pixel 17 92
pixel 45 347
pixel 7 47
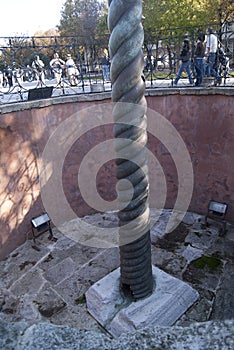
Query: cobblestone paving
pixel 49 285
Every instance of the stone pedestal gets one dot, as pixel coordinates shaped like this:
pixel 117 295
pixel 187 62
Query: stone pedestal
pixel 170 299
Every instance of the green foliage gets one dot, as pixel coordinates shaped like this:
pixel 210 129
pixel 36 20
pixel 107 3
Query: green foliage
pixel 160 15
pixel 81 299
pixel 89 17
pixel 164 14
pixel 212 262
pixel 80 17
pixel 220 11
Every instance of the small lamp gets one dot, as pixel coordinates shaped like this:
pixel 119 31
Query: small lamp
pixel 41 224
pixel 216 212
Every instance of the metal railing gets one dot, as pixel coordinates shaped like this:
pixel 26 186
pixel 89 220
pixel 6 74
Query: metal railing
pixel 163 52
pixel 18 74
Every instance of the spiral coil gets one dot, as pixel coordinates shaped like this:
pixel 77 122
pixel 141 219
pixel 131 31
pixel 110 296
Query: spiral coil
pixel 129 114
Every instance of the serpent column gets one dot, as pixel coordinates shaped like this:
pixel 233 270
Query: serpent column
pixel 130 121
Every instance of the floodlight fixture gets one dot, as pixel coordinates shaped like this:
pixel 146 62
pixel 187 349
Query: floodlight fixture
pixel 217 212
pixel 41 224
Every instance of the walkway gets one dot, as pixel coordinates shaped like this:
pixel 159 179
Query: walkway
pixel 20 93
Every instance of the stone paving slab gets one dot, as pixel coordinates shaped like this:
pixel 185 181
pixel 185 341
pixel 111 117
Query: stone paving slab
pixel 224 300
pixel 19 262
pixel 48 301
pixel 204 277
pixel 28 284
pixel 60 271
pixel 190 253
pixel 76 316
pixel 72 288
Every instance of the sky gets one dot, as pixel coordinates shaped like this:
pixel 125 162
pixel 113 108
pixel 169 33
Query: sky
pixel 25 17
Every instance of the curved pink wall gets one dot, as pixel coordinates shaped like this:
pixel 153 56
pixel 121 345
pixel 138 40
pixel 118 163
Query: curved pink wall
pixel 206 124
pixel 204 120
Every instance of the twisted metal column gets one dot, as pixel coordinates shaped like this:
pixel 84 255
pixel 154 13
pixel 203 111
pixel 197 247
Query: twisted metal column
pixel 129 114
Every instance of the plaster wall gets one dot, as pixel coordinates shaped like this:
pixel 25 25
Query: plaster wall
pixel 203 120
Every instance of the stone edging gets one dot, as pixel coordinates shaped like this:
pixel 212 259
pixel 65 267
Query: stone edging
pixel 208 335
pixel 100 96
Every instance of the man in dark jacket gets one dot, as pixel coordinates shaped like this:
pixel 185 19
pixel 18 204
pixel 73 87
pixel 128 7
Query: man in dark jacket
pixel 185 57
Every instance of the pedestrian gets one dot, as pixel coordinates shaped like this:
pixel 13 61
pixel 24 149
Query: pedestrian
pixel 185 57
pixel 199 55
pixel 211 52
pixel 105 62
pixel 9 76
pixel 57 65
pixel 38 65
pixel 5 79
pixel 1 79
pixel 72 70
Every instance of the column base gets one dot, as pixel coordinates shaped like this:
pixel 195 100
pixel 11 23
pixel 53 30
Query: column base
pixel 169 301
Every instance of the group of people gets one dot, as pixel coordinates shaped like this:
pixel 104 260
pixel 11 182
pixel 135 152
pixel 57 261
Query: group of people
pixel 205 52
pixel 14 75
pixel 11 76
pixel 58 66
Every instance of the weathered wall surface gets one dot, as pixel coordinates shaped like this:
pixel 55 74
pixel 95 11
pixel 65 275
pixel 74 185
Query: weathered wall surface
pixel 206 125
pixel 203 120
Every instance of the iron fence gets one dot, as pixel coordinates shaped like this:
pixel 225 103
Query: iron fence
pixel 19 73
pixel 163 48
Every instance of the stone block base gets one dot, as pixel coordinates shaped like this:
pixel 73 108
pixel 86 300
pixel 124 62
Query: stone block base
pixel 170 300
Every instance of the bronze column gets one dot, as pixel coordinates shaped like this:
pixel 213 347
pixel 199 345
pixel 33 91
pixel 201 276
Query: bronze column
pixel 129 114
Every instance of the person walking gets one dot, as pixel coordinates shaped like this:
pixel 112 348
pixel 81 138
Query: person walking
pixel 105 62
pixel 38 66
pixel 211 51
pixel 185 57
pixel 199 55
pixel 57 65
pixel 9 76
pixel 72 70
pixel 1 79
